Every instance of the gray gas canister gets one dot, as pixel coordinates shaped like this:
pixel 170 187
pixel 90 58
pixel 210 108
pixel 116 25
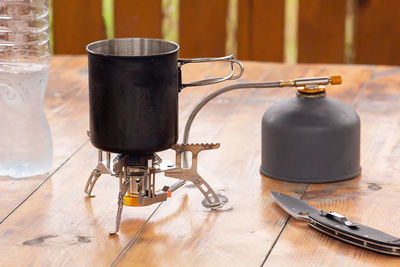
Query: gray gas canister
pixel 311 138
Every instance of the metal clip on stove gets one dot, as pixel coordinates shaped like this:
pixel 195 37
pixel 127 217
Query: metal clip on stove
pixel 137 177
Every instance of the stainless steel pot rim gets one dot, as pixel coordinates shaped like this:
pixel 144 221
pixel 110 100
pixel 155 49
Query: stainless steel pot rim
pixel 132 47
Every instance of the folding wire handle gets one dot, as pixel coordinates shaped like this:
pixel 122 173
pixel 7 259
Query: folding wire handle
pixel 231 75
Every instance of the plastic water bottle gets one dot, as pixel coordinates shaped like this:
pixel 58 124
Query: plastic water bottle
pixel 26 147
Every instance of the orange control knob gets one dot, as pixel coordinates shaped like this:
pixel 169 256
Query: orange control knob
pixel 336 79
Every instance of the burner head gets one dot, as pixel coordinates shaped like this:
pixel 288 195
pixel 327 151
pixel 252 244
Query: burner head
pixel 142 159
pixel 137 160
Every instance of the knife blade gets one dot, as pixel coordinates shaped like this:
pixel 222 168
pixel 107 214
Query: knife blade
pixel 338 226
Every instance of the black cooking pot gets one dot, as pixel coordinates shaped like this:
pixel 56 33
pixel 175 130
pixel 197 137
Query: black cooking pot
pixel 133 93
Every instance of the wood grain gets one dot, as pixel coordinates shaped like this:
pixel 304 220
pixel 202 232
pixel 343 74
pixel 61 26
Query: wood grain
pixel 377 32
pixel 261 30
pixel 66 100
pixel 136 18
pixel 368 199
pixel 242 235
pixel 76 23
pixel 321 29
pixel 58 225
pixel 202 28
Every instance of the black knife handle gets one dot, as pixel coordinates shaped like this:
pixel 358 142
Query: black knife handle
pixel 361 235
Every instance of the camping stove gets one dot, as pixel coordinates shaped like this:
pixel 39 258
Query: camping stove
pixel 137 177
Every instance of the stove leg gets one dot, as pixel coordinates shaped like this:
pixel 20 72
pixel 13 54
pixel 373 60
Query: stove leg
pixel 191 174
pixel 123 189
pixel 91 182
pixel 208 192
pixel 101 168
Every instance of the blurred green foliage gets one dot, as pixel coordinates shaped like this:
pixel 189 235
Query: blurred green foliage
pixel 170 27
pixel 108 15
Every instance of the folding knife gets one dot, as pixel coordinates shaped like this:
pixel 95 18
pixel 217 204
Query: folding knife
pixel 338 226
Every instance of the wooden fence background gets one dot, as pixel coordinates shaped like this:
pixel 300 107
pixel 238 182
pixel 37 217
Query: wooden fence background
pixel 321 28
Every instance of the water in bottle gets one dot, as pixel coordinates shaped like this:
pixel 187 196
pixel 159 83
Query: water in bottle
pixel 26 147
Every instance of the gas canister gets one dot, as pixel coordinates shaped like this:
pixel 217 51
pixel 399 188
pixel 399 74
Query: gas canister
pixel 310 138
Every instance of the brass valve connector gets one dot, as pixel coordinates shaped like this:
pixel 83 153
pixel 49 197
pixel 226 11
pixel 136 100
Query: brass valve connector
pixel 311 82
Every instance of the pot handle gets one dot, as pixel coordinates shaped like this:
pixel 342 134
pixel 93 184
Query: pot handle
pixel 231 76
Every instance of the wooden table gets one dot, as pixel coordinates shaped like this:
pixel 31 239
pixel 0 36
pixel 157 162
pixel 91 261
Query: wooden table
pixel 47 220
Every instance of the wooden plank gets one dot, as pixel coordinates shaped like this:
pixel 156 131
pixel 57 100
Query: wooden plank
pixel 369 199
pixel 243 234
pixel 58 225
pixel 377 32
pixel 194 232
pixel 137 18
pixel 261 30
pixel 202 28
pixel 65 102
pixel 76 23
pixel 321 30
